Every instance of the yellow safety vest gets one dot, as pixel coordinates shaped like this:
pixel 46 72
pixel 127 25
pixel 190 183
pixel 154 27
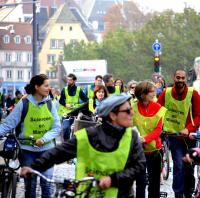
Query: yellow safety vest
pixel 177 113
pixel 146 125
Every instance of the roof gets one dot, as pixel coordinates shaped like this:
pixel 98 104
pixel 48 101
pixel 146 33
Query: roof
pixel 22 29
pixel 64 15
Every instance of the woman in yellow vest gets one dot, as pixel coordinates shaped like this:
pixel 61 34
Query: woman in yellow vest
pixel 100 93
pixel 119 82
pixel 41 122
pixel 148 119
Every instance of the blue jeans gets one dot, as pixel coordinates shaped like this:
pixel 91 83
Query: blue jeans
pixel 27 159
pixel 183 173
pixel 67 122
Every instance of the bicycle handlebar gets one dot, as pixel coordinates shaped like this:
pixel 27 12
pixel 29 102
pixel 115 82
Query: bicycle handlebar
pixel 62 181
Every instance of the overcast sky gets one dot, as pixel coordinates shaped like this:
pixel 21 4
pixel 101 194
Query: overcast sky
pixel 160 5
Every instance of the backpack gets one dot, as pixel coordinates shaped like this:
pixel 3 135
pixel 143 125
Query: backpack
pixel 25 102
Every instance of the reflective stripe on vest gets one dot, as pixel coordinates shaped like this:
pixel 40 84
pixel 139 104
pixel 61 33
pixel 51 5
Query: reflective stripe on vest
pixel 90 92
pixel 146 125
pixel 37 121
pixel 91 105
pixel 101 163
pixel 177 113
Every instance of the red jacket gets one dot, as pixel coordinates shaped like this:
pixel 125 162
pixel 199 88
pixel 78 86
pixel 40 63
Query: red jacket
pixel 195 107
pixel 150 110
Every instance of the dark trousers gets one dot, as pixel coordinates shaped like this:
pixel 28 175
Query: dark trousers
pixel 154 164
pixel 183 173
pixel 67 122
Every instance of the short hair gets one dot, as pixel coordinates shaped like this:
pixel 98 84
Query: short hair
pixel 35 80
pixel 18 92
pixel 99 87
pixel 98 76
pixel 143 88
pixel 180 69
pixel 107 77
pixel 73 76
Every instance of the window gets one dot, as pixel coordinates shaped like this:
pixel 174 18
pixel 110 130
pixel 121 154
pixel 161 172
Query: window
pixel 61 44
pixel 51 58
pixel 29 57
pixel 19 57
pixel 70 28
pixel 28 40
pixel 8 57
pixel 51 74
pixel 17 39
pixel 20 74
pixel 8 74
pixel 53 44
pixel 29 74
pixel 6 39
pixel 57 44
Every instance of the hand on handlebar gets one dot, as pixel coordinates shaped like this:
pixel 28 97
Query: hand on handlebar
pixel 105 182
pixel 25 171
pixel 39 142
pixel 184 132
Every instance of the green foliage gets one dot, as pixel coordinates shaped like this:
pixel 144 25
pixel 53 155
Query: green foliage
pixel 129 54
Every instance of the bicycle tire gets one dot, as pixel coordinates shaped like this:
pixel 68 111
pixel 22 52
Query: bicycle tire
pixel 10 185
pixel 166 162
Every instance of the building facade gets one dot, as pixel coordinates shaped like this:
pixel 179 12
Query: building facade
pixel 15 56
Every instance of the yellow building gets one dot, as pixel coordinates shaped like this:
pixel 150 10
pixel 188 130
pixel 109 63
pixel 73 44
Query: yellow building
pixel 61 29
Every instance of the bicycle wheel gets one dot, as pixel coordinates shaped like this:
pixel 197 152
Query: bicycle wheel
pixel 166 167
pixel 10 185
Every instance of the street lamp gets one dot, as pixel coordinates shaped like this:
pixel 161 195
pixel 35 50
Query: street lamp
pixel 7 27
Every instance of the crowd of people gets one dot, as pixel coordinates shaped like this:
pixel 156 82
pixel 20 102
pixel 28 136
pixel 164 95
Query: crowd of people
pixel 115 152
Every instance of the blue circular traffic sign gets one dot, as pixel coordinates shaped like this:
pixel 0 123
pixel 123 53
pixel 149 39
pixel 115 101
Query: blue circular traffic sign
pixel 156 46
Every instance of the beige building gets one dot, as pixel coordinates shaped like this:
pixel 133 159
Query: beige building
pixel 61 29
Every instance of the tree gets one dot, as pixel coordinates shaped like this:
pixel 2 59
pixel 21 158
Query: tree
pixel 129 54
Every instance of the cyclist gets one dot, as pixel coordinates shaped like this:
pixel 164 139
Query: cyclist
pixel 69 101
pixel 119 82
pixel 111 151
pixel 41 123
pixel 131 90
pixel 148 119
pixel 183 104
pixel 90 88
pixel 100 93
pixel 109 84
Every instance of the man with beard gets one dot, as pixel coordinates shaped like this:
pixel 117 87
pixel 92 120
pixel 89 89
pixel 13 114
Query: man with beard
pixel 109 84
pixel 183 104
pixel 70 101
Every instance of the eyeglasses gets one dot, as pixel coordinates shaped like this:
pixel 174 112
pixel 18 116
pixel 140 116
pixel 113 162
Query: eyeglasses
pixel 128 111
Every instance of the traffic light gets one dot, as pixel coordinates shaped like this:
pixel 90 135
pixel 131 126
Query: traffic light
pixel 157 63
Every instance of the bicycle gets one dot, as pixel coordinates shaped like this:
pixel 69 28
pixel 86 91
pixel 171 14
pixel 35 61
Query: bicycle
pixel 197 189
pixel 69 187
pixel 8 171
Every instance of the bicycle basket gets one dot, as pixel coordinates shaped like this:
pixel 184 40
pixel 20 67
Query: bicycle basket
pixel 9 148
